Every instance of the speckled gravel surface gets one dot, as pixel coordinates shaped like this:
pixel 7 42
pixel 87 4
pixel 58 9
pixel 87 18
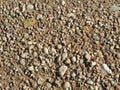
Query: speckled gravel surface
pixel 59 44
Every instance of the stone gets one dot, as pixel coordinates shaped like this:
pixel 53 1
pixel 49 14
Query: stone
pixel 106 68
pixel 67 86
pixel 90 82
pixel 64 55
pixel 73 59
pixel 25 55
pixel 59 46
pixel 62 70
pixel 87 56
pixel 30 7
pixel 31 68
pixel 22 62
pixel 39 16
pixel 45 50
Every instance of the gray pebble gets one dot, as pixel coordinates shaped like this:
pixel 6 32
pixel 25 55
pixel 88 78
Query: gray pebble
pixel 90 82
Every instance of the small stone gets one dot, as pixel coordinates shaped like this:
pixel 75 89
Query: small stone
pixel 64 55
pixel 62 70
pixel 40 81
pixel 67 86
pixel 73 59
pixel 23 8
pixel 87 56
pixel 93 63
pixel 25 55
pixel 39 16
pixel 22 62
pixel 59 46
pixel 90 82
pixel 77 31
pixel 45 50
pixel 106 68
pixel 73 75
pixel 31 68
pixel 63 2
pixel 30 6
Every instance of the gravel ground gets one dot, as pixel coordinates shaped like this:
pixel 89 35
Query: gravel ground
pixel 59 45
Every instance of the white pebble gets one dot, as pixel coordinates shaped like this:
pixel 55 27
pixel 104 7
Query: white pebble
pixel 22 62
pixel 74 59
pixel 31 68
pixel 107 69
pixel 62 70
pixel 59 46
pixel 45 50
pixel 30 6
pixel 90 82
pixel 87 56
pixel 67 86
pixel 64 56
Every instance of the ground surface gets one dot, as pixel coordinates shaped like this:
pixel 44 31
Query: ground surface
pixel 59 45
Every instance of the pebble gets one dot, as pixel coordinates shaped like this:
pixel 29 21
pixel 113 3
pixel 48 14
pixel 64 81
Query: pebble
pixel 106 68
pixel 25 55
pixel 59 46
pixel 87 56
pixel 39 16
pixel 63 2
pixel 67 86
pixel 73 59
pixel 31 68
pixel 90 82
pixel 45 50
pixel 62 70
pixel 64 55
pixel 30 7
pixel 22 62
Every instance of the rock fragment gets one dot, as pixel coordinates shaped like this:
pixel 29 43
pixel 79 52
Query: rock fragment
pixel 62 70
pixel 106 68
pixel 67 86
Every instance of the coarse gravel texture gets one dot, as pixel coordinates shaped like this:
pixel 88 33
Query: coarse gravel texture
pixel 59 44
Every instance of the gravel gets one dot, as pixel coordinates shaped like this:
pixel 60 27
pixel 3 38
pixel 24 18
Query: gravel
pixel 59 44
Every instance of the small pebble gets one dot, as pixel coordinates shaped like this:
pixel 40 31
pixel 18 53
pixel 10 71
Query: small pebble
pixel 25 55
pixel 45 50
pixel 22 62
pixel 31 68
pixel 67 86
pixel 73 59
pixel 64 55
pixel 39 16
pixel 62 70
pixel 106 68
pixel 59 46
pixel 90 82
pixel 30 6
pixel 87 56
